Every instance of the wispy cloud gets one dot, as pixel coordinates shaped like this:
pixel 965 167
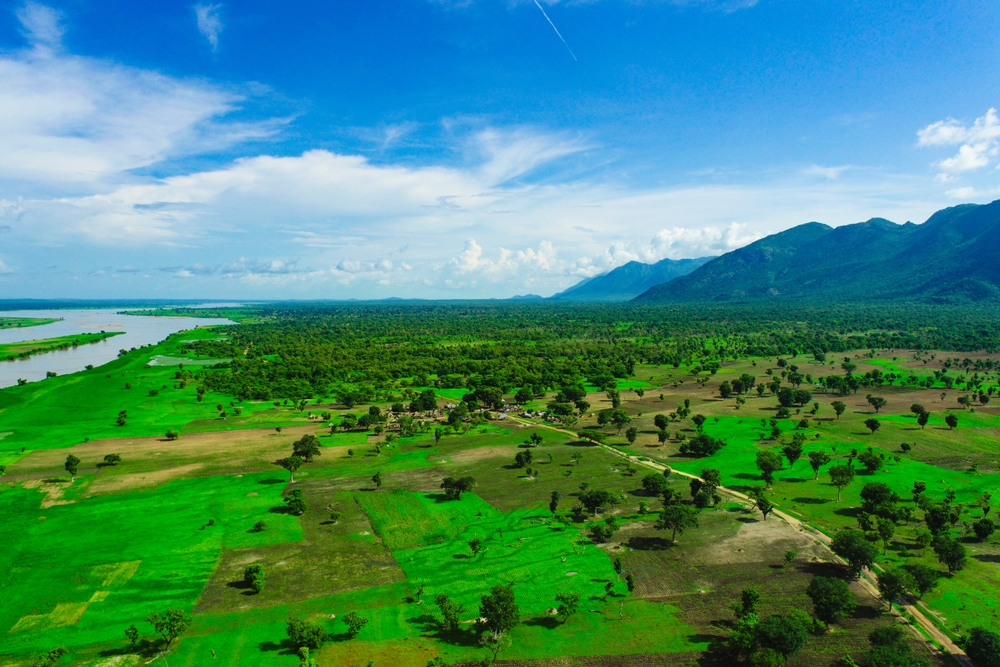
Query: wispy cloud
pixel 42 26
pixel 978 143
pixel 209 23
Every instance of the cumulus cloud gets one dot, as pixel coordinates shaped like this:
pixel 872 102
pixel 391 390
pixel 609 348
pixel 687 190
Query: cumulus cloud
pixel 978 143
pixel 209 23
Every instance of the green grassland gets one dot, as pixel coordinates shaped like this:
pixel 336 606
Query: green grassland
pixel 30 348
pixel 20 322
pixel 93 556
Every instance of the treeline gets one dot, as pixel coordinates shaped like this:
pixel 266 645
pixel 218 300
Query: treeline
pixel 307 350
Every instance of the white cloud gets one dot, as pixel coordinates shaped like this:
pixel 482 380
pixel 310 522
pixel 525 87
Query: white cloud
pixel 68 119
pixel 41 25
pixel 4 269
pixel 979 143
pixel 209 23
pixel 829 173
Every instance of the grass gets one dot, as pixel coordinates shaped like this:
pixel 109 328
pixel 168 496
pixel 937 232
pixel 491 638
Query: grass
pixel 29 348
pixel 20 322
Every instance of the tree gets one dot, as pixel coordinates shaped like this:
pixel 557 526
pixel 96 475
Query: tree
pixel 450 612
pixel 792 451
pixel 631 434
pixel 841 476
pixel 454 488
pixel 306 447
pixel 854 547
pixel 876 402
pixel 71 465
pixel 50 657
pixel 594 500
pixel 615 397
pixel 522 458
pixel 951 421
pixel 839 407
pixel 923 418
pixel 132 633
pixel 924 578
pixel 170 625
pixel 699 421
pixel 291 464
pixel 653 484
pixel 702 445
pixel 984 528
pixel 817 459
pixel 475 545
pixel 950 552
pixel 983 647
pixel 569 603
pixel 253 577
pixel 768 463
pixel 894 582
pixel 303 633
pixel 377 480
pixel 354 622
pixel 782 634
pixel 112 459
pixel 871 461
pixel 677 518
pixel 917 409
pixel 725 389
pixel 832 599
pixel 554 501
pixel 296 502
pixel 498 609
pixel 761 502
pixel 886 530
pixel 619 418
pixel 872 424
pixel 661 422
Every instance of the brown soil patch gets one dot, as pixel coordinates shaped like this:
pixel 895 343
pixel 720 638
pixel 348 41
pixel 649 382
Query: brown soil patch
pixel 482 453
pixel 148 480
pixel 53 492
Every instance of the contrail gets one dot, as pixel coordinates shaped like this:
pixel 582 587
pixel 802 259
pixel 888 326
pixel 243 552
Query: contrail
pixel 556 29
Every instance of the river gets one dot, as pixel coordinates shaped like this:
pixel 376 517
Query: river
pixel 139 330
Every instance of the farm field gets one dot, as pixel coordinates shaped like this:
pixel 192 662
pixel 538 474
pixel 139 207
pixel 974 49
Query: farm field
pixel 365 481
pixel 20 322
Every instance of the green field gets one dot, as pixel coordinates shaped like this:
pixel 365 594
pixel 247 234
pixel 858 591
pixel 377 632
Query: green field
pixel 20 322
pixel 172 525
pixel 30 348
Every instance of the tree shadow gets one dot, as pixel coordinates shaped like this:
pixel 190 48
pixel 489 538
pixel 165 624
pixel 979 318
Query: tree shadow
pixel 581 443
pixel 649 543
pixel 285 647
pixel 280 509
pixel 848 511
pixel 271 480
pixel 746 475
pixel 747 519
pixel 811 501
pixel 548 622
pixel 987 558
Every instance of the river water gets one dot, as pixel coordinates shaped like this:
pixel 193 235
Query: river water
pixel 139 330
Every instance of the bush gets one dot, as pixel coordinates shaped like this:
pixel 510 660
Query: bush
pixel 983 647
pixel 702 445
pixel 305 633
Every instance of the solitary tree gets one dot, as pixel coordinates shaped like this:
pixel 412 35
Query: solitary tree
pixel 768 462
pixel 554 501
pixel 832 599
pixel 253 577
pixel 306 447
pixel 872 424
pixel 450 612
pixel 354 622
pixel 377 480
pixel 854 547
pixel 839 407
pixel 170 625
pixel 923 418
pixel 817 459
pixel 454 488
pixel 876 402
pixel 291 464
pixel 71 465
pixel 498 610
pixel 112 459
pixel 699 421
pixel 950 552
pixel 894 582
pixel 951 421
pixel 296 502
pixel 631 434
pixel 793 451
pixel 620 418
pixel 841 476
pixel 475 545
pixel 569 603
pixel 677 518
pixel 132 634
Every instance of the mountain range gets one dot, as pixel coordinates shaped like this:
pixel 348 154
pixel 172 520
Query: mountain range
pixel 629 280
pixel 953 256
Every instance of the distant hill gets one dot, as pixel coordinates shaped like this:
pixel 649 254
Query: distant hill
pixel 954 256
pixel 629 280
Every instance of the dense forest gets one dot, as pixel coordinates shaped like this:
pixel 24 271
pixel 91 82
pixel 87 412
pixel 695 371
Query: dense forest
pixel 355 350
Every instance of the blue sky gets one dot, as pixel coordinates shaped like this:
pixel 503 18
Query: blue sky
pixel 443 149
